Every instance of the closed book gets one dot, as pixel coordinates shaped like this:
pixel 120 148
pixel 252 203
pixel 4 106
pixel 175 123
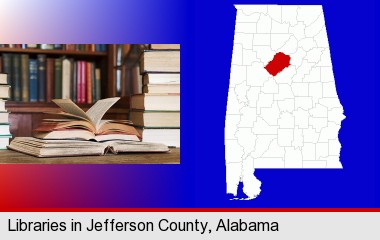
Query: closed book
pixel 155 119
pixel 66 79
pixel 4 129
pixel 4 141
pixel 4 117
pixel 83 81
pixel 70 47
pixel 47 46
pixel 161 78
pixel 160 61
pixel 74 79
pixel 25 77
pixel 50 79
pixel 33 80
pixel 5 91
pixel 16 75
pixel 93 84
pixel 31 45
pixel 2 105
pixel 150 101
pixel 78 82
pixel 169 137
pixel 41 62
pixel 161 88
pixel 1 64
pixel 7 66
pixel 3 78
pixel 89 82
pixel 98 84
pixel 164 46
pixel 58 78
pixel 57 46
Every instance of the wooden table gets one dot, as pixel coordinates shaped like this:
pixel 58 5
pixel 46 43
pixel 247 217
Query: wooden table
pixel 12 157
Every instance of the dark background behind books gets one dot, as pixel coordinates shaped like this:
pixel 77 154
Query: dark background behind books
pixel 205 31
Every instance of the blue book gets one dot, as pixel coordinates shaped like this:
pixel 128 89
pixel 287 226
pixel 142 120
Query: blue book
pixel 33 82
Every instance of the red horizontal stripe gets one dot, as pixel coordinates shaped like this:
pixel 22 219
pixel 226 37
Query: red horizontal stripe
pixel 189 209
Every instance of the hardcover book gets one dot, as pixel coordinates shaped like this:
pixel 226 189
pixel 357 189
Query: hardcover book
pixel 77 124
pixel 58 148
pixel 160 61
pixel 151 101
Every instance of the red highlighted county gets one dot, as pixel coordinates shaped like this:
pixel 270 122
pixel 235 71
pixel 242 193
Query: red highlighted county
pixel 278 63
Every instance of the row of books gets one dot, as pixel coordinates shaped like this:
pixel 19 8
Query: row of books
pixel 156 112
pixel 43 79
pixel 5 134
pixel 66 47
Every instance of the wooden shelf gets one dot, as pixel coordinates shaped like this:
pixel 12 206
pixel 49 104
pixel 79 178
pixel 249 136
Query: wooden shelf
pixel 54 52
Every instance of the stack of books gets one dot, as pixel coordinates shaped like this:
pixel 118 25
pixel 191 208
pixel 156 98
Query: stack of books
pixel 156 112
pixel 5 134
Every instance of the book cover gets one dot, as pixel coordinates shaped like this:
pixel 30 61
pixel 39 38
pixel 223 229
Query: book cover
pixel 33 81
pixel 89 85
pixel 41 62
pixel 49 79
pixel 160 61
pixel 58 78
pixel 66 79
pixel 16 77
pixel 25 77
pixel 98 84
pixel 7 66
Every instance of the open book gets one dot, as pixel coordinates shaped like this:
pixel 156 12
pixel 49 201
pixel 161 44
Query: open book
pixel 58 148
pixel 78 124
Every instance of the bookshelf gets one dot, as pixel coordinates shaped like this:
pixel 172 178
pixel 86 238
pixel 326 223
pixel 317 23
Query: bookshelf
pixel 25 116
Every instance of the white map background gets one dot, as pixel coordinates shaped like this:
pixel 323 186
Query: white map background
pixel 291 120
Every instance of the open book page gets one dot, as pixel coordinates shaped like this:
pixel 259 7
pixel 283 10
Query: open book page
pixel 70 107
pixel 97 111
pixel 68 115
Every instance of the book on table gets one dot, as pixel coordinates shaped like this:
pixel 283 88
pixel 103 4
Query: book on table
pixel 77 124
pixel 59 148
pixel 83 133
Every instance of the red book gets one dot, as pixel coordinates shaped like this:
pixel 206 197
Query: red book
pixel 78 86
pixel 50 79
pixel 83 82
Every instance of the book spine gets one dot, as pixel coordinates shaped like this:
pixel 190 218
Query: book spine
pixel 25 77
pixel 41 62
pixel 33 82
pixel 66 79
pixel 98 84
pixel 79 81
pixel 1 64
pixel 57 46
pixel 7 66
pixel 58 78
pixel 93 89
pixel 74 81
pixel 83 82
pixel 16 74
pixel 89 82
pixel 49 79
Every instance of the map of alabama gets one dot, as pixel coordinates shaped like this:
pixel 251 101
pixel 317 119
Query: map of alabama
pixel 283 109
